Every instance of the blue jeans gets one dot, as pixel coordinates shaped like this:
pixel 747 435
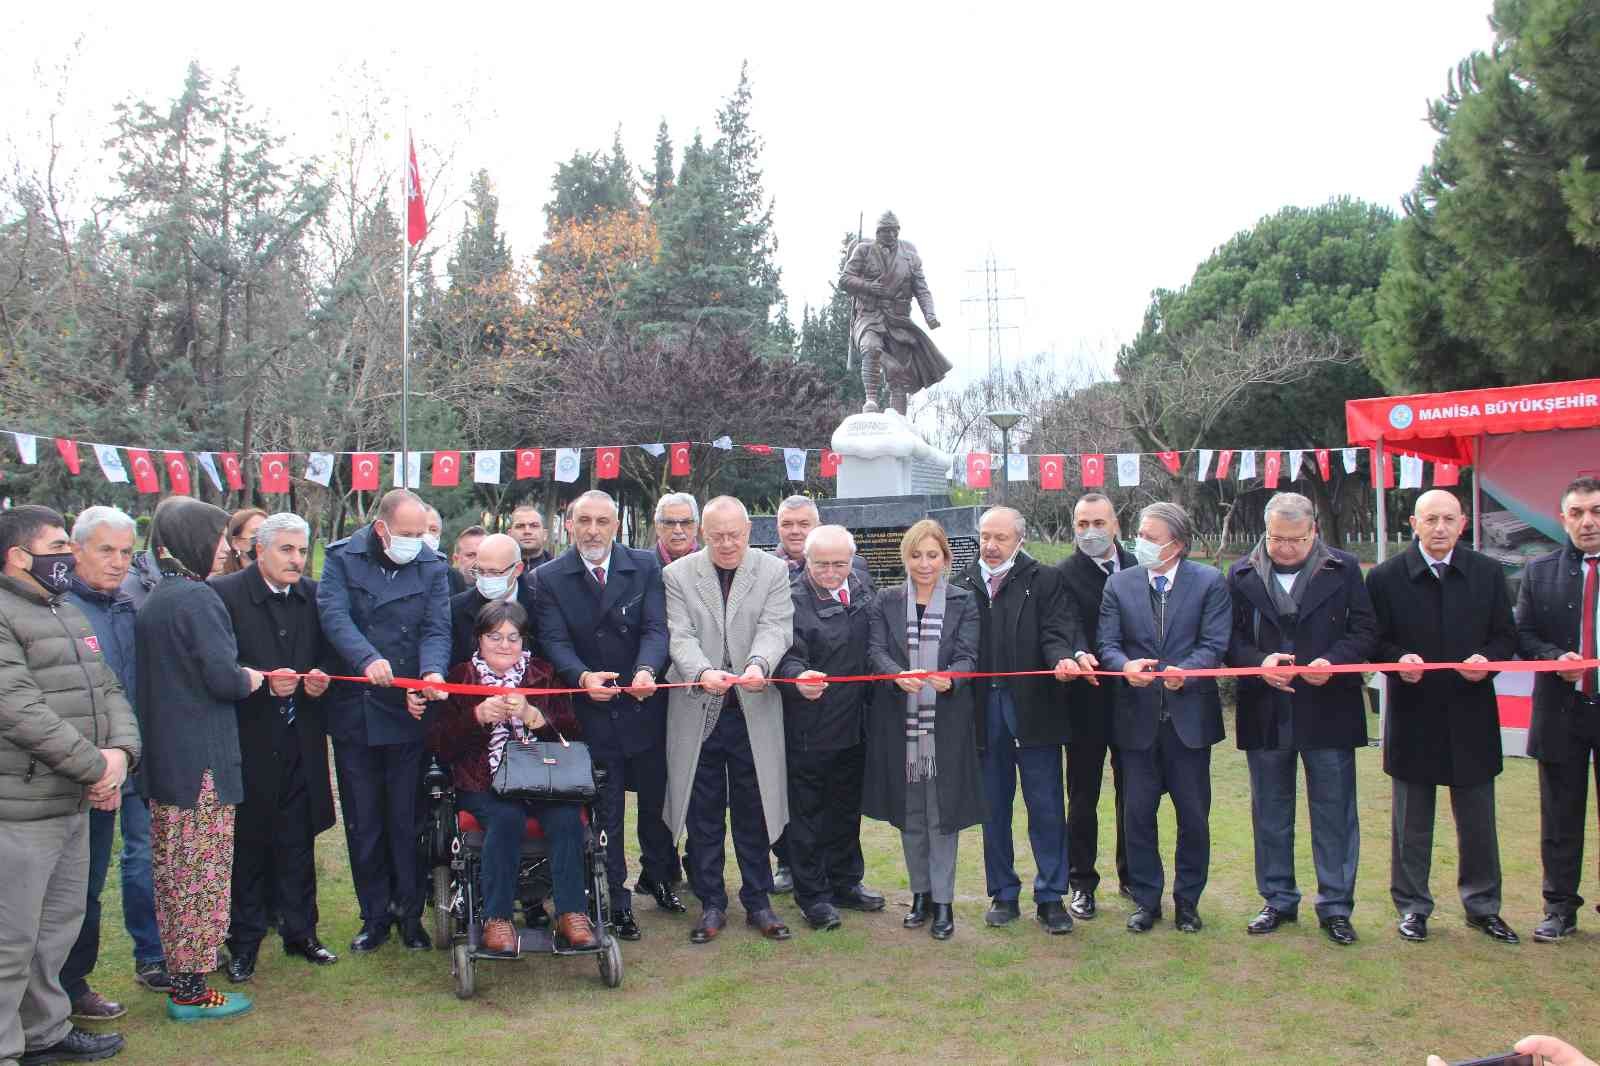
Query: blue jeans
pixel 138 886
pixel 1335 827
pixel 1044 794
pixel 502 821
pixel 86 949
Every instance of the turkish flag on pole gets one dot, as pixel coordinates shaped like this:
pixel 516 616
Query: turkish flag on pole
pixel 364 471
pixel 1093 470
pixel 1050 472
pixel 1323 466
pixel 69 455
pixel 1274 467
pixel 977 470
pixel 680 460
pixel 416 210
pixel 144 471
pixel 177 472
pixel 231 471
pixel 275 472
pixel 446 469
pixel 829 466
pixel 1173 461
pixel 606 462
pixel 527 463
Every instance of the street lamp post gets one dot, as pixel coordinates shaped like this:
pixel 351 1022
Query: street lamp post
pixel 1005 421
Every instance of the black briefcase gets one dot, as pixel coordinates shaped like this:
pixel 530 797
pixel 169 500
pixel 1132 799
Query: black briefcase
pixel 545 770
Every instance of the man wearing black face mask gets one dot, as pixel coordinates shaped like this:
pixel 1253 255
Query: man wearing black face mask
pixel 384 602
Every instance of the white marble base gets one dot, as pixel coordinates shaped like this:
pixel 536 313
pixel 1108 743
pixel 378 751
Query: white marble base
pixel 883 455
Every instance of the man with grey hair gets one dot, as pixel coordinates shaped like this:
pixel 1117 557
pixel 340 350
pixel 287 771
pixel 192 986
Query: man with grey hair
pixel 1298 601
pixel 677 526
pixel 1167 613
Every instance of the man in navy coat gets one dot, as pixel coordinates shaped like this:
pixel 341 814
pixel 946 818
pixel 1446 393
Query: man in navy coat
pixel 384 601
pixel 603 625
pixel 1166 613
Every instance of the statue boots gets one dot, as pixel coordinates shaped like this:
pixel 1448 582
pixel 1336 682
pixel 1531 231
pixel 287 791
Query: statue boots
pixel 870 379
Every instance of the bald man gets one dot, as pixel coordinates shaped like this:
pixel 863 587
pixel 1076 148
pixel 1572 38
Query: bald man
pixel 1439 601
pixel 499 569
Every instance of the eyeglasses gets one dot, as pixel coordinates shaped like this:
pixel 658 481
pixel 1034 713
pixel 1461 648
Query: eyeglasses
pixel 503 638
pixel 1288 542
pixel 725 538
pixel 818 564
pixel 675 523
pixel 479 571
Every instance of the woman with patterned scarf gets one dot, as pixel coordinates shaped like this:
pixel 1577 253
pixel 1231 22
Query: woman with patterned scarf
pixel 470 733
pixel 922 733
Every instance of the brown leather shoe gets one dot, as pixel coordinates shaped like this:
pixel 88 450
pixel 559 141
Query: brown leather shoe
pixel 93 1007
pixel 500 936
pixel 574 931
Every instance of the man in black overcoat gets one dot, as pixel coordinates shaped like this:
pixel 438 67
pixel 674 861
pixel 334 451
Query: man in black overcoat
pixel 283 740
pixel 1441 602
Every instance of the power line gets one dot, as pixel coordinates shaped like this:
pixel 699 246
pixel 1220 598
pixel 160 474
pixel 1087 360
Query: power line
pixel 996 293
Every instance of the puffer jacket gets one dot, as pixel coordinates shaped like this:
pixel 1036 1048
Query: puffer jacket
pixel 59 705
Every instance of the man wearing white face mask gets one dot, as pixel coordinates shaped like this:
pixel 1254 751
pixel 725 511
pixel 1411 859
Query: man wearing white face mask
pixel 385 609
pixel 499 569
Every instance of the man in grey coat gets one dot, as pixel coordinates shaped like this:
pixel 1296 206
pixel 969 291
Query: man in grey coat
pixel 67 741
pixel 730 620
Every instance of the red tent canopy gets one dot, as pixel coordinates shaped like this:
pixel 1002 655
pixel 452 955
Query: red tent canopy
pixel 1441 425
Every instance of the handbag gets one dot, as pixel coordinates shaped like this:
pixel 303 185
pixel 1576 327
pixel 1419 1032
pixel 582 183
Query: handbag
pixel 545 770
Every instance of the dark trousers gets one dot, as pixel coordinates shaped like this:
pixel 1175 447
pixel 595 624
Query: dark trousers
pixel 274 862
pixel 503 821
pixel 1043 794
pixel 378 787
pixel 1086 769
pixel 86 949
pixel 824 833
pixel 1184 774
pixel 1563 810
pixel 1477 842
pixel 646 774
pixel 138 881
pixel 725 789
pixel 1335 827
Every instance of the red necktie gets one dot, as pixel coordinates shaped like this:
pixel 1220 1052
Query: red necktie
pixel 1591 587
pixel 600 575
pixel 844 595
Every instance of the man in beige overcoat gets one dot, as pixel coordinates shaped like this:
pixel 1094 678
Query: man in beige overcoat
pixel 730 618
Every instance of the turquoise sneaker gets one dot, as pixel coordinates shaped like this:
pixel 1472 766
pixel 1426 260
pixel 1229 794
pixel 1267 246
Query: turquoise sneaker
pixel 214 1005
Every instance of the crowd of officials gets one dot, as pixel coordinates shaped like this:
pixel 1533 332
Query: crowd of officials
pixel 193 687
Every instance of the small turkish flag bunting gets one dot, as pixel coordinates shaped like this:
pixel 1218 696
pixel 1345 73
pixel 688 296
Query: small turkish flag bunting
pixel 1173 461
pixel 1224 461
pixel 1324 464
pixel 1050 472
pixel 978 470
pixel 680 459
pixel 69 455
pixel 1274 465
pixel 275 472
pixel 527 463
pixel 606 462
pixel 231 471
pixel 446 469
pixel 364 469
pixel 1093 470
pixel 830 463
pixel 177 472
pixel 144 471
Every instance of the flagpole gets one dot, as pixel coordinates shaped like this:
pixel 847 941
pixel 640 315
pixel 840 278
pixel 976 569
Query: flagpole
pixel 405 310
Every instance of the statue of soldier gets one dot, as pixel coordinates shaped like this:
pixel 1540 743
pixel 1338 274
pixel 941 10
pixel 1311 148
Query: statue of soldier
pixel 882 275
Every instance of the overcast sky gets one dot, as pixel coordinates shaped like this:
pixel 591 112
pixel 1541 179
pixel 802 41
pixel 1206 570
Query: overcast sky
pixel 1099 151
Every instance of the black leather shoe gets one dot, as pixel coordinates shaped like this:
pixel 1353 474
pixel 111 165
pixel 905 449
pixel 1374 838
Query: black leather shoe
pixel 1413 927
pixel 1054 917
pixel 1269 920
pixel 859 897
pixel 1002 912
pixel 413 936
pixel 822 917
pixel 712 922
pixel 1082 905
pixel 623 924
pixel 1339 930
pixel 76 1046
pixel 768 924
pixel 1555 927
pixel 1186 920
pixel 372 936
pixel 782 880
pixel 1492 927
pixel 944 922
pixel 917 916
pixel 312 950
pixel 1143 919
pixel 665 897
pixel 242 965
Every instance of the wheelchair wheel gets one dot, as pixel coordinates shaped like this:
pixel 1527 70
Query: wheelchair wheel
pixel 461 965
pixel 611 962
pixel 441 907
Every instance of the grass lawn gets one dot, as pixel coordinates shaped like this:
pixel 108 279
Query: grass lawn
pixel 874 992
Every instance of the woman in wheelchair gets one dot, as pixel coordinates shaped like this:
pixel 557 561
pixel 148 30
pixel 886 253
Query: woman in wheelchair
pixel 470 734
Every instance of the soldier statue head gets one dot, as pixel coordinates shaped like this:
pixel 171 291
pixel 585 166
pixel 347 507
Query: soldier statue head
pixel 888 232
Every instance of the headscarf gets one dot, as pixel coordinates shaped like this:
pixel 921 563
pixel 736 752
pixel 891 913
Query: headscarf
pixel 184 536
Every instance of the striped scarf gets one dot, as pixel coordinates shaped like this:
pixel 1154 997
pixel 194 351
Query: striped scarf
pixel 503 731
pixel 922 653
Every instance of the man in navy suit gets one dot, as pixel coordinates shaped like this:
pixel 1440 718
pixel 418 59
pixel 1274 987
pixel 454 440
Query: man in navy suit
pixel 1167 613
pixel 603 623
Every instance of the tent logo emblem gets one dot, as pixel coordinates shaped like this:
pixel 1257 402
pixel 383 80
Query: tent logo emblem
pixel 1400 416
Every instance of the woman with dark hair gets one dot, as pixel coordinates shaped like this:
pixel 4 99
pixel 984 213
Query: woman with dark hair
pixel 471 733
pixel 238 550
pixel 189 677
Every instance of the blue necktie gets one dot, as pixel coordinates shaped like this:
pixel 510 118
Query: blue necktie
pixel 1161 586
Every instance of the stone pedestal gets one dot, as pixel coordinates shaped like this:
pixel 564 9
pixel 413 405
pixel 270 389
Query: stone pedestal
pixel 882 455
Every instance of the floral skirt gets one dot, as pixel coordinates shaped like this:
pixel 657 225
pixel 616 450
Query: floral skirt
pixel 191 851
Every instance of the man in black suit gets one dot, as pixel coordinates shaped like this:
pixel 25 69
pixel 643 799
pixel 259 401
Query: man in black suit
pixel 1166 613
pixel 500 576
pixel 527 529
pixel 603 623
pixel 283 739
pixel 1091 713
pixel 1558 613
pixel 1439 602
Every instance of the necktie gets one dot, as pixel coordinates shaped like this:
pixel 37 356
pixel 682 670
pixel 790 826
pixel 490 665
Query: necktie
pixel 1109 567
pixel 1439 569
pixel 1160 583
pixel 994 584
pixel 1591 589
pixel 844 595
pixel 600 575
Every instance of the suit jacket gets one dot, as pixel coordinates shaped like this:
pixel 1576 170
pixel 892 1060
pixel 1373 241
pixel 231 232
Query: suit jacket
pixel 756 624
pixel 620 628
pixel 273 634
pixel 1092 708
pixel 1443 730
pixel 368 615
pixel 464 608
pixel 1199 621
pixel 1335 623
pixel 1549 624
pixel 832 638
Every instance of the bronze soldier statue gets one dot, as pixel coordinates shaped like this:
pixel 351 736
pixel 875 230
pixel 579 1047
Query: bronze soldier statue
pixel 882 275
